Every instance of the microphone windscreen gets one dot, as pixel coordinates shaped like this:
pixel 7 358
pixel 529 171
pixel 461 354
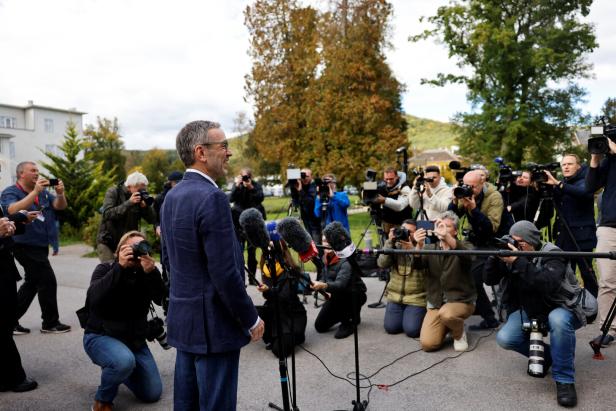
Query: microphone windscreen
pixel 254 228
pixel 337 236
pixel 294 234
pixel 272 230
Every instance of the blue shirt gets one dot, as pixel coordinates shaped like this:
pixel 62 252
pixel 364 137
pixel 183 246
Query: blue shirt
pixel 336 209
pixel 37 232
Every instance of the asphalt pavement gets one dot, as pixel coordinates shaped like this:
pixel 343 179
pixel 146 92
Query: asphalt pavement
pixel 485 378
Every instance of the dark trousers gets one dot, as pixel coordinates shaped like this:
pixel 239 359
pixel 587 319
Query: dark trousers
pixel 11 371
pixel 588 274
pixel 39 279
pixel 205 382
pixel 339 309
pixel 483 307
pixel 252 255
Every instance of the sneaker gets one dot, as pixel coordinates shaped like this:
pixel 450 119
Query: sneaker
pixel 485 325
pixel 26 385
pixel 59 328
pixel 344 330
pixel 19 330
pixel 607 340
pixel 461 344
pixel 566 395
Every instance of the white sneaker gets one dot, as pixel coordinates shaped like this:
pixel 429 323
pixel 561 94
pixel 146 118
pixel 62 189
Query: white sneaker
pixel 461 344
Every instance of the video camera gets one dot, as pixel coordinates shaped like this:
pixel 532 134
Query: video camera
pixel 460 171
pixel 598 144
pixel 506 175
pixel 372 188
pixel 537 171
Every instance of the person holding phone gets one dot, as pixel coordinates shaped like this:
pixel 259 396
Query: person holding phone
pixel 31 248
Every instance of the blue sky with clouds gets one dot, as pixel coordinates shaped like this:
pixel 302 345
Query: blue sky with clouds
pixel 156 65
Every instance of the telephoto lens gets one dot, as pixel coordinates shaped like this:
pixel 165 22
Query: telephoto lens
pixel 536 352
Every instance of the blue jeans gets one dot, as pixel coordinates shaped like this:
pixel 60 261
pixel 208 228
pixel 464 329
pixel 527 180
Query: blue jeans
pixel 560 352
pixel 403 317
pixel 121 365
pixel 205 382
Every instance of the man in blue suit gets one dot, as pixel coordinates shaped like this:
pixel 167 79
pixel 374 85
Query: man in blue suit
pixel 210 314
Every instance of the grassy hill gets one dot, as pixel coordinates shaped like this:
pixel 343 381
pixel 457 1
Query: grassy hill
pixel 426 134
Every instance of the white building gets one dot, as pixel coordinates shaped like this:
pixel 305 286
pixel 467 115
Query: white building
pixel 27 131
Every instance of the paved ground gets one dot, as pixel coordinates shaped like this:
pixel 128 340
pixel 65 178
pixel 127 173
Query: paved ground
pixel 487 378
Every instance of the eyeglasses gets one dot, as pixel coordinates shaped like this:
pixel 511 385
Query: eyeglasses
pixel 224 144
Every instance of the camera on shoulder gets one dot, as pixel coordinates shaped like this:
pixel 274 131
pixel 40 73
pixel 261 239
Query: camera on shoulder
pixel 598 141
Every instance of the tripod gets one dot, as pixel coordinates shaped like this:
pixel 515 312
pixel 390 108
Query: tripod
pixel 605 328
pixel 378 223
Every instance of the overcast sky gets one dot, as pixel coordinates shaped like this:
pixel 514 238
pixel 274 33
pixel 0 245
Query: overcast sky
pixel 156 65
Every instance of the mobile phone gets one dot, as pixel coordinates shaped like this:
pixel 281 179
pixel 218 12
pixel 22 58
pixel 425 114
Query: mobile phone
pixel 53 182
pixel 426 225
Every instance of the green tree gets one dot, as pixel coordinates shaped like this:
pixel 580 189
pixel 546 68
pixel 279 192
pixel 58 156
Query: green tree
pixel 358 115
pixel 522 58
pixel 155 166
pixel 104 143
pixel 283 47
pixel 85 180
pixel 608 111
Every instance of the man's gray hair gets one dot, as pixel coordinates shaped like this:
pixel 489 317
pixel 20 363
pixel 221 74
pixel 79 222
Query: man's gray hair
pixel 136 178
pixel 451 216
pixel 20 167
pixel 190 136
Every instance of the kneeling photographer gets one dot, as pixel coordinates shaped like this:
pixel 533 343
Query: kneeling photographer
pixel 538 292
pixel 449 285
pixel 405 291
pixel 116 327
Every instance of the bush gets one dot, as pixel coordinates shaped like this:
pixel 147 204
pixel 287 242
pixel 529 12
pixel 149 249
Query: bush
pixel 90 230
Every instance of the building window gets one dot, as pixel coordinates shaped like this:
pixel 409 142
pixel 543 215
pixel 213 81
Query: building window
pixel 48 125
pixel 7 122
pixel 11 149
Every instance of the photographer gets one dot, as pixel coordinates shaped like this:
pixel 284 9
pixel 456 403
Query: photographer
pixel 118 301
pixel 405 292
pixel 436 194
pixel 602 174
pixel 576 209
pixel 530 291
pixel 172 179
pixel 246 193
pixel 449 285
pixel 482 206
pixel 337 202
pixel 395 202
pixel 523 198
pixel 123 208
pixel 304 195
pixel 31 248
pixel 343 286
pixel 12 375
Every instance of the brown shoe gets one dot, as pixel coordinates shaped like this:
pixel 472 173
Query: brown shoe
pixel 102 406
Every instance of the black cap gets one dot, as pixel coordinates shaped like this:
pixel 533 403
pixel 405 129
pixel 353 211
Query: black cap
pixel 175 176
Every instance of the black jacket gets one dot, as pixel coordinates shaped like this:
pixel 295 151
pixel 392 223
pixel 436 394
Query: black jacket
pixel 524 285
pixel 576 204
pixel 340 279
pixel 305 199
pixel 118 300
pixel 523 202
pixel 242 199
pixel 604 176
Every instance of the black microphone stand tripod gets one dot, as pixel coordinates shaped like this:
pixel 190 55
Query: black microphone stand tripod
pixel 288 398
pixel 324 198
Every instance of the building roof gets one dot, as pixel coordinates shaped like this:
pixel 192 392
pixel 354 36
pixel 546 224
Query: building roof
pixel 36 106
pixel 581 136
pixel 434 155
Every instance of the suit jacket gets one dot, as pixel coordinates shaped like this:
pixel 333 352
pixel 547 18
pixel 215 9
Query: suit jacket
pixel 209 309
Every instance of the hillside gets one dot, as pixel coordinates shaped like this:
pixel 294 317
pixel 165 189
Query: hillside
pixel 425 134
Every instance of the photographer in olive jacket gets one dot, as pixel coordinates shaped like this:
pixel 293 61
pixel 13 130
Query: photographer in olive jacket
pixel 124 206
pixel 117 304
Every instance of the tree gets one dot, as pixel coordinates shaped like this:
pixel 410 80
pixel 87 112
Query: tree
pixel 358 115
pixel 104 143
pixel 84 179
pixel 283 47
pixel 608 111
pixel 523 58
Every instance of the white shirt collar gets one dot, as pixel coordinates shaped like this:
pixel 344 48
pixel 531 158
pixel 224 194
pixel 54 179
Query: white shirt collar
pixel 192 170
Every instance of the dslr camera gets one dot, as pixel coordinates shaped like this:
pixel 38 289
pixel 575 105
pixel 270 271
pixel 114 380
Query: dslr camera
pixel 421 179
pixel 463 191
pixel 146 197
pixel 503 243
pixel 401 234
pixel 141 248
pixel 156 331
pixel 597 143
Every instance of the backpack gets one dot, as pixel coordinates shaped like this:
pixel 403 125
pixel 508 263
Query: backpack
pixel 570 295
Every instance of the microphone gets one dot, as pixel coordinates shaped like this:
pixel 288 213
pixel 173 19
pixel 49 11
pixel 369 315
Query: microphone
pixel 253 225
pixel 339 239
pixel 299 240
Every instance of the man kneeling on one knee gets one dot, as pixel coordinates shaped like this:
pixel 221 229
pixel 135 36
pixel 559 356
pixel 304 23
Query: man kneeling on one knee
pixel 449 285
pixel 532 291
